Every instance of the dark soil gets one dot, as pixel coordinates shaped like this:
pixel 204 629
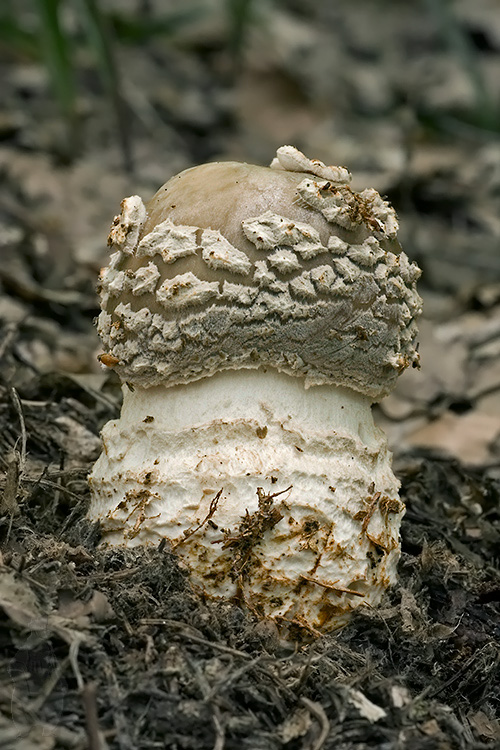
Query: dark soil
pixel 117 642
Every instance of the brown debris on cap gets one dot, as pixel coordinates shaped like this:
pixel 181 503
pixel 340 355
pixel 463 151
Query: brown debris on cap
pixel 238 266
pixel 126 226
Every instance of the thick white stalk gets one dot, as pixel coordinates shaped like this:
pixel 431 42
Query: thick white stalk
pixel 199 464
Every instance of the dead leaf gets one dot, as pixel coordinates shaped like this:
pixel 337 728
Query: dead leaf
pixel 98 607
pixel 466 437
pixel 489 728
pixel 366 708
pixel 430 728
pixel 17 600
pixel 20 604
pixel 297 725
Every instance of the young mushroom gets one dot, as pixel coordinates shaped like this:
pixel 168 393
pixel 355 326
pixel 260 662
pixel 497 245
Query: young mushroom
pixel 254 314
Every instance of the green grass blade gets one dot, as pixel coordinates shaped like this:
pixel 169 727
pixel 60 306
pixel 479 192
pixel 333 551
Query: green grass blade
pixel 135 30
pixel 14 37
pixel 239 17
pixel 458 42
pixel 55 48
pixel 100 39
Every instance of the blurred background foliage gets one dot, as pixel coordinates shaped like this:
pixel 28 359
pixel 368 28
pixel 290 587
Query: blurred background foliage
pixel 59 31
pixel 73 36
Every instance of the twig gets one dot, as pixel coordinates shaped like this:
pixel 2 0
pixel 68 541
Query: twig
pixel 19 409
pixel 235 676
pixel 88 694
pixel 331 586
pixel 369 513
pixel 57 494
pixel 487 391
pixel 121 723
pixel 196 638
pixel 8 504
pixel 67 473
pixel 431 691
pixel 34 404
pixel 10 332
pixel 301 623
pixel 110 403
pixel 211 511
pixel 115 575
pixel 73 658
pixel 263 496
pixel 48 686
pixel 219 729
pixel 51 486
pixel 319 713
pixel 69 519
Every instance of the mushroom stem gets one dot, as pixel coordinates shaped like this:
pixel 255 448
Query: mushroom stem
pixel 243 437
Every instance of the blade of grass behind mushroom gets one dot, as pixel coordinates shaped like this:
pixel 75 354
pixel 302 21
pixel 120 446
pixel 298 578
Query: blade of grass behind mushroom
pixel 100 40
pixel 20 41
pixel 486 114
pixel 140 29
pixel 239 14
pixel 55 47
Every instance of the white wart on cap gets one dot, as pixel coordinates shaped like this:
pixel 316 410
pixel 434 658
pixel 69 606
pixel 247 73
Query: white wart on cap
pixel 256 314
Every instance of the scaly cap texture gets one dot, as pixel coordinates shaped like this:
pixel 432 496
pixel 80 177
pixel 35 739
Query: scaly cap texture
pixel 237 266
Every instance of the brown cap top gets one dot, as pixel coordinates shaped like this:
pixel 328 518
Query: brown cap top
pixel 235 266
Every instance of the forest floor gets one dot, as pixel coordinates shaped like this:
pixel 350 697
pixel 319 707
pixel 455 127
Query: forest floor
pixel 105 648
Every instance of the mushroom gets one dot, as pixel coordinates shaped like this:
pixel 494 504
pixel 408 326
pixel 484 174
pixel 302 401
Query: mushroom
pixel 254 315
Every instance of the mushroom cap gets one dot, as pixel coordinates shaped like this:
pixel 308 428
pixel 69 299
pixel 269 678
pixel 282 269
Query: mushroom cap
pixel 238 266
pixel 223 194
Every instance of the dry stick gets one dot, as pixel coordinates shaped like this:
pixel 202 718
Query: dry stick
pixel 211 511
pixel 36 482
pixel 117 700
pixel 57 494
pixel 9 505
pixel 115 575
pixel 431 692
pixel 66 473
pixel 19 409
pixel 219 740
pixel 234 676
pixel 195 638
pixel 69 520
pixel 331 586
pixel 91 721
pixel 88 694
pixel 48 686
pixel 318 711
pixel 262 495
pixel 112 405
pixel 40 482
pixel 73 658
